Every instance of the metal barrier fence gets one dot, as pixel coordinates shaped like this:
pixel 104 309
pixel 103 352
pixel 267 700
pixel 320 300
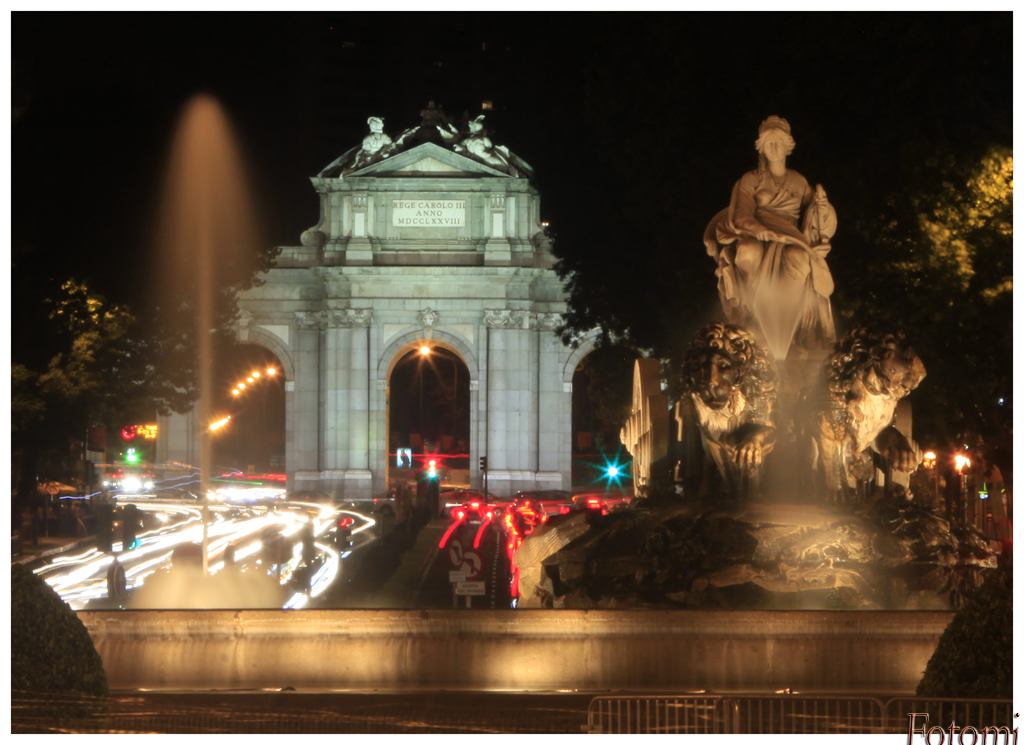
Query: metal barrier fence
pixel 686 714
pixel 690 715
pixel 787 714
pixel 38 713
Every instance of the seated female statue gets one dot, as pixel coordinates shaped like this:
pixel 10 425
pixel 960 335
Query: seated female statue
pixel 770 244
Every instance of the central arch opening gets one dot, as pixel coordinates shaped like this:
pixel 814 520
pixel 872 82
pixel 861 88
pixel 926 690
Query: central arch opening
pixel 250 402
pixel 428 414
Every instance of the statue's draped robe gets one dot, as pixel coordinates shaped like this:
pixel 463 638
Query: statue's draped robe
pixel 754 275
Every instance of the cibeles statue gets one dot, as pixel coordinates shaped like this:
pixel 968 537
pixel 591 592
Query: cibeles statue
pixel 770 244
pixel 731 385
pixel 850 417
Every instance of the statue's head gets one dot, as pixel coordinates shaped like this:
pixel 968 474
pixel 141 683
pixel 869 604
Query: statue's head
pixel 475 125
pixel 723 358
pixel 774 128
pixel 880 358
pixel 376 124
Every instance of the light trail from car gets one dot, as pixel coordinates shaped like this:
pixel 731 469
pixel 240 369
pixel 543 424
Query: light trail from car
pixel 82 577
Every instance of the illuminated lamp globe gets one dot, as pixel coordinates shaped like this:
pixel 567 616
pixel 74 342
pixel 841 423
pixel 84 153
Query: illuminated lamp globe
pixel 241 386
pixel 248 380
pixel 234 392
pixel 255 374
pixel 424 350
pixel 271 371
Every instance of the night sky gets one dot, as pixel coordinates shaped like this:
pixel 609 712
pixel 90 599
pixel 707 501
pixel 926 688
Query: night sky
pixel 636 124
pixel 96 97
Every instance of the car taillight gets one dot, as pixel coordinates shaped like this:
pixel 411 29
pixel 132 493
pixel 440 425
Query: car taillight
pixel 564 510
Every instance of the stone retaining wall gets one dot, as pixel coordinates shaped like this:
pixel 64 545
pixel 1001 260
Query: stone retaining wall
pixel 524 650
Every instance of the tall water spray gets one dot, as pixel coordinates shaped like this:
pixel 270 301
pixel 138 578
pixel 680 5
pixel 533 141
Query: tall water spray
pixel 208 239
pixel 777 309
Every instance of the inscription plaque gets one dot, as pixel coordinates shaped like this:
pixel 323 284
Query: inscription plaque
pixel 428 213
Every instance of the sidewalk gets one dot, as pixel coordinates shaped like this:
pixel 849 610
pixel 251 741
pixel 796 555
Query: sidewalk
pixel 48 546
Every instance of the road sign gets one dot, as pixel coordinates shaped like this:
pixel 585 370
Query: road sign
pixel 454 576
pixel 472 564
pixel 455 557
pixel 471 588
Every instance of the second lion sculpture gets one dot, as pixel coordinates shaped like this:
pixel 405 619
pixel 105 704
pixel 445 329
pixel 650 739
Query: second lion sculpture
pixel 852 414
pixel 732 387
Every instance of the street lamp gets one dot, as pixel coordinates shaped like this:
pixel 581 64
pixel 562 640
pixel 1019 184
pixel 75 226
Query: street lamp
pixel 962 462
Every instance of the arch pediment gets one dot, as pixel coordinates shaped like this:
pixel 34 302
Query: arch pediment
pixel 430 159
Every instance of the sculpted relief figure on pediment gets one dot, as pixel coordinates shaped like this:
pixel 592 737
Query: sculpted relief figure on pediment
pixel 479 146
pixel 466 137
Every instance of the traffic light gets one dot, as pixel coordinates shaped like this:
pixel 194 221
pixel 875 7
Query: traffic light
pixel 131 456
pixel 483 462
pixel 344 536
pixel 432 470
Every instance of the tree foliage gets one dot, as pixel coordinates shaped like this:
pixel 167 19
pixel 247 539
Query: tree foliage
pixel 974 656
pixel 51 651
pixel 944 272
pixel 607 374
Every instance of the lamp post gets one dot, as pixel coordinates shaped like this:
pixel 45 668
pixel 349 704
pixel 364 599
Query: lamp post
pixel 962 462
pixel 929 463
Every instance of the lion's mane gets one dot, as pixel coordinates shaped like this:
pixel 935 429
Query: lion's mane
pixel 758 379
pixel 860 350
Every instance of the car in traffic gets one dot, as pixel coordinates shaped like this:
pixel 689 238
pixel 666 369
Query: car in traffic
pixel 549 501
pixel 602 502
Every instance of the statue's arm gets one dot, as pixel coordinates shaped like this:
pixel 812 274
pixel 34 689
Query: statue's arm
pixel 743 206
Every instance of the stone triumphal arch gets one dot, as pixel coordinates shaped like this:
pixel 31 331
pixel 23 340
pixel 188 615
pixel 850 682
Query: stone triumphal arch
pixel 433 237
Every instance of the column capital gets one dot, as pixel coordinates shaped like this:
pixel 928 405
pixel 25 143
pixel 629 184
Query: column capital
pixel 349 318
pixel 312 320
pixel 510 319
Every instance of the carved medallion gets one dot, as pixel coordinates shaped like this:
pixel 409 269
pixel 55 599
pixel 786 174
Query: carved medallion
pixel 427 318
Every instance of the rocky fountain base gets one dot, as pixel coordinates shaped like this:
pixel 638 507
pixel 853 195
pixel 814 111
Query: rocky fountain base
pixel 890 555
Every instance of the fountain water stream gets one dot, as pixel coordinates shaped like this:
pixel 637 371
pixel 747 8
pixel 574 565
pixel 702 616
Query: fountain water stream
pixel 207 237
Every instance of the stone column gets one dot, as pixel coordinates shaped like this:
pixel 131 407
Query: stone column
pixel 346 410
pixel 511 401
pixel 178 437
pixel 335 430
pixel 306 391
pixel 554 453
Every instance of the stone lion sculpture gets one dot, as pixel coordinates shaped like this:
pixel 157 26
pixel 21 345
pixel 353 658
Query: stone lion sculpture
pixel 870 369
pixel 732 386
